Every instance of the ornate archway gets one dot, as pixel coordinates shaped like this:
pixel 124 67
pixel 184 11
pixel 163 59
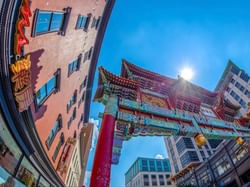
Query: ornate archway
pixel 141 103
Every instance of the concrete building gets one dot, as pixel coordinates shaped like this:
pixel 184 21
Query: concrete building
pixel 235 85
pixel 49 51
pixel 228 167
pixel 183 152
pixel 149 172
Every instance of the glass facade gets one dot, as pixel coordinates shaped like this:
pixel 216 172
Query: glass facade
pixel 147 165
pixel 214 143
pixel 188 157
pixel 15 169
pixel 184 143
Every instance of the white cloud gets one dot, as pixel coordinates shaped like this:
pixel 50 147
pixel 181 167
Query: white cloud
pixel 95 133
pixel 159 156
pixel 87 178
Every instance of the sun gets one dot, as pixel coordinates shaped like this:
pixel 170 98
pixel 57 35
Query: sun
pixel 187 73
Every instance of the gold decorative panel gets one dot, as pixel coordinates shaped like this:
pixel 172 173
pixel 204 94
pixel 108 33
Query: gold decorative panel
pixel 155 101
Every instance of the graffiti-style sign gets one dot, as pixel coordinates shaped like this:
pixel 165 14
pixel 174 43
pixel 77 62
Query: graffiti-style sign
pixel 23 21
pixel 22 83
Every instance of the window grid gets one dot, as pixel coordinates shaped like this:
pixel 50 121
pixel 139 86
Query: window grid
pixel 58 147
pixel 56 128
pixel 47 89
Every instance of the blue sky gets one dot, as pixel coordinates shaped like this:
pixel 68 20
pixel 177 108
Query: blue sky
pixel 166 35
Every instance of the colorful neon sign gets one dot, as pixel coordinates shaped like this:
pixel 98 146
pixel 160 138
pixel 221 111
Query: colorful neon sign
pixel 21 69
pixel 23 21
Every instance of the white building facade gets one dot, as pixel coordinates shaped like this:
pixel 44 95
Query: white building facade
pixel 235 84
pixel 148 172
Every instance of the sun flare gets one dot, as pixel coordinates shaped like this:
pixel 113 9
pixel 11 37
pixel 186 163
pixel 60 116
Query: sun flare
pixel 187 73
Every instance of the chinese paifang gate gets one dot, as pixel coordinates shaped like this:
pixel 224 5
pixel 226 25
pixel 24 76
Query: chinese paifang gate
pixel 143 103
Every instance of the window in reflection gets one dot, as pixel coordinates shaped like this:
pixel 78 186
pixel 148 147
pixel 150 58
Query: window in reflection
pixel 9 151
pixel 27 173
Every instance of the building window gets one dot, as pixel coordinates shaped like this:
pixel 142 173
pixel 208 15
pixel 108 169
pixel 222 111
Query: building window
pixel 238 152
pixel 27 173
pixel 234 95
pixel 88 54
pixel 242 103
pixel 239 86
pixel 209 152
pixel 159 166
pixel 228 89
pixel 56 128
pixel 221 166
pixel 152 165
pixel 189 156
pixel 146 180
pixel 184 143
pixel 247 93
pixel 75 134
pixel 166 166
pixel 244 76
pixel 203 155
pixel 58 147
pixel 50 21
pixel 214 143
pixel 235 70
pixel 83 84
pixel 75 65
pixel 80 122
pixel 83 22
pixel 96 22
pixel 161 180
pixel 232 81
pixel 48 88
pixel 10 154
pixel 154 180
pixel 72 101
pixel 81 99
pixel 72 117
pixel 144 165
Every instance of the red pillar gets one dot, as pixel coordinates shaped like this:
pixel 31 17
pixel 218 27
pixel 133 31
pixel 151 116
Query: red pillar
pixel 100 176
